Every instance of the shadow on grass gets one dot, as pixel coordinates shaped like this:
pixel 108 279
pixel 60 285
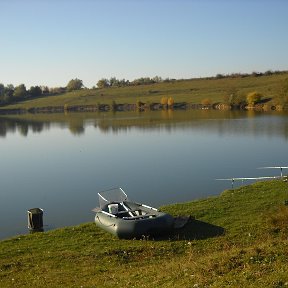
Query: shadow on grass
pixel 196 230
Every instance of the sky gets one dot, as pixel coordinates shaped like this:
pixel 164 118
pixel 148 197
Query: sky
pixel 50 42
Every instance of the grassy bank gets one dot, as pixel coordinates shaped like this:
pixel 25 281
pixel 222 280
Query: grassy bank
pixel 189 91
pixel 239 239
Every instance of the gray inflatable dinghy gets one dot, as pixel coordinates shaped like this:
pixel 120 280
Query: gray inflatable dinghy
pixel 126 219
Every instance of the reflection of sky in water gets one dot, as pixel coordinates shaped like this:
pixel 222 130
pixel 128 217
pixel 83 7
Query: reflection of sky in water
pixel 62 172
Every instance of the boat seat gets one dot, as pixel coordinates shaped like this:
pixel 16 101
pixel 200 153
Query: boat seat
pixel 140 217
pixel 123 212
pixel 131 213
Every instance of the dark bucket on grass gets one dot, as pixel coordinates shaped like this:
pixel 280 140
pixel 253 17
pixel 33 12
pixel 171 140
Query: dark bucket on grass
pixel 35 219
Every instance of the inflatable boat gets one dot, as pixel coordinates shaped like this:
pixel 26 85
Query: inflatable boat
pixel 126 219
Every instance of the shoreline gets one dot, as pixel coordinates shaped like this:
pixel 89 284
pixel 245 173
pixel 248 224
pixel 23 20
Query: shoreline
pixel 136 107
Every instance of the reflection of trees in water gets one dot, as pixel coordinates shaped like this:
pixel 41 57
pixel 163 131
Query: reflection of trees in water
pixel 23 126
pixel 266 126
pixel 76 127
pixel 23 129
pixel 2 129
pixel 37 127
pixel 167 114
pixel 103 126
pixel 7 126
pixel 230 123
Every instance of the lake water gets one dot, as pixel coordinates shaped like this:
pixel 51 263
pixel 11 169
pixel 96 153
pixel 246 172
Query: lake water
pixel 60 162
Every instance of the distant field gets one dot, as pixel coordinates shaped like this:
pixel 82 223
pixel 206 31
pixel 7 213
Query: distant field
pixel 190 91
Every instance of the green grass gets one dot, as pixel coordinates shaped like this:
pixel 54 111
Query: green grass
pixel 190 91
pixel 238 239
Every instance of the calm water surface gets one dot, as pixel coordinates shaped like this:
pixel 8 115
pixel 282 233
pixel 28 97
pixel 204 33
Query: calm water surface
pixel 157 158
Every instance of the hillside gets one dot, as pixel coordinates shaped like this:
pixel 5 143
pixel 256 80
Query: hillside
pixel 212 91
pixel 238 239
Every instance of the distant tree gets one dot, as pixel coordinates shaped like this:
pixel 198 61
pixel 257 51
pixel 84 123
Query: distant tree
pixel 268 73
pixel 10 87
pixel 103 83
pixel 142 81
pixel 206 101
pixel 20 92
pixel 57 90
pixel 44 89
pixel 220 76
pixel 230 96
pixel 240 99
pixel 2 89
pixel 114 82
pixel 123 83
pixel 170 102
pixel 233 97
pixel 139 104
pixel 164 100
pixel 257 74
pixel 74 84
pixel 157 79
pixel 8 93
pixel 113 105
pixel 35 91
pixel 253 97
pixel 66 107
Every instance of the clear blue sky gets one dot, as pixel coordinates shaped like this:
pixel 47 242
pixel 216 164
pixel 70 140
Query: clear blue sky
pixel 49 42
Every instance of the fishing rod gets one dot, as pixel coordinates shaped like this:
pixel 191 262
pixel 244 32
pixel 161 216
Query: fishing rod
pixel 246 178
pixel 276 167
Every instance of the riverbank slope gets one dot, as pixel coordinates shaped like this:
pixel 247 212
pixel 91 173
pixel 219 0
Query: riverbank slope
pixel 206 92
pixel 238 239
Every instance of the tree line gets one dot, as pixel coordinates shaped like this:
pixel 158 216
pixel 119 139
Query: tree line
pixel 114 82
pixel 10 94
